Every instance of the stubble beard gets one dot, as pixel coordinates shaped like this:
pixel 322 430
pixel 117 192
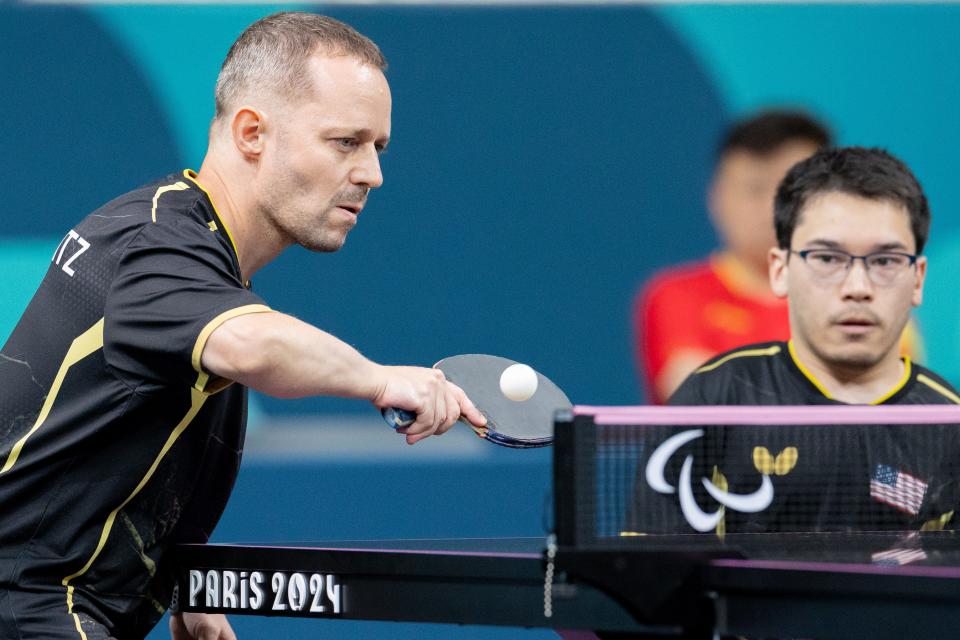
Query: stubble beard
pixel 302 226
pixel 313 233
pixel 852 359
pixel 856 361
pixel 317 235
pixel 321 235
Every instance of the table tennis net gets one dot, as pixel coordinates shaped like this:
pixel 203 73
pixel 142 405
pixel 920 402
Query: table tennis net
pixel 620 481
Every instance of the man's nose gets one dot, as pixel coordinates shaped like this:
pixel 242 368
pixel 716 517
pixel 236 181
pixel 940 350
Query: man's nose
pixel 856 282
pixel 367 171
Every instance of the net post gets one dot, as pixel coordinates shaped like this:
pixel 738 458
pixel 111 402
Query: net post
pixel 574 479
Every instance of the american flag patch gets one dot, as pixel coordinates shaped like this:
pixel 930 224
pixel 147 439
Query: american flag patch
pixel 898 489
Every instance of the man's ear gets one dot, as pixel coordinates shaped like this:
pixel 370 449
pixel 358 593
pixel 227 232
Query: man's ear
pixel 247 130
pixel 777 261
pixel 920 273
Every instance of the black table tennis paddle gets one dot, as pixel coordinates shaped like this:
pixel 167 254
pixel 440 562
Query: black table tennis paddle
pixel 518 424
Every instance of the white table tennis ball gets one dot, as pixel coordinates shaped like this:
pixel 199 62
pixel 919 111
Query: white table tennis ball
pixel 518 382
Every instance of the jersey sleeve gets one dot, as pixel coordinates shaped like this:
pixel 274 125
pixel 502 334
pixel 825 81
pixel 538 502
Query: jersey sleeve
pixel 174 285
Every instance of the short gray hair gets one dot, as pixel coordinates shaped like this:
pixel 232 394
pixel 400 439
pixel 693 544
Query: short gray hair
pixel 271 55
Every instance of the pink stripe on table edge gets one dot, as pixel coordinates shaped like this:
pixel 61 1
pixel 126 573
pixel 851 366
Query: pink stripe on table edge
pixel 803 415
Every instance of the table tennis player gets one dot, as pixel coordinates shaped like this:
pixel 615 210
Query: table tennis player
pixel 851 224
pixel 122 388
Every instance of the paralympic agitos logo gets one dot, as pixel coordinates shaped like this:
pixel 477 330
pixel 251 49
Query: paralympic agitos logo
pixel 696 517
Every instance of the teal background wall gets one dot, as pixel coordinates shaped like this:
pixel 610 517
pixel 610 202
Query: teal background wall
pixel 545 161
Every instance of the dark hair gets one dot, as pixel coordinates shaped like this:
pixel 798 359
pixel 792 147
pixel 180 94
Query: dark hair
pixel 271 55
pixel 868 173
pixel 767 131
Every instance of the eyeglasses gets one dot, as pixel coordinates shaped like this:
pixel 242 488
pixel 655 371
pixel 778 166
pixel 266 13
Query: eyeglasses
pixel 832 265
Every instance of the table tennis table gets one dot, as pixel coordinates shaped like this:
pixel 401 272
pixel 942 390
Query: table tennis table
pixel 843 585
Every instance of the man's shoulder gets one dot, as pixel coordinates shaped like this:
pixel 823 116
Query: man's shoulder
pixel 145 202
pixel 745 375
pixel 748 357
pixel 930 388
pixel 170 202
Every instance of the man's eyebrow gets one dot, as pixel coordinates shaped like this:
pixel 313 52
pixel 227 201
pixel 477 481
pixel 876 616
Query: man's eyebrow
pixel 367 134
pixel 362 133
pixel 823 242
pixel 890 246
pixel 833 244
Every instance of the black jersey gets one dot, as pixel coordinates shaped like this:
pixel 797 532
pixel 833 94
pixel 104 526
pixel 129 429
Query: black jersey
pixel 770 374
pixel 114 443
pixel 821 477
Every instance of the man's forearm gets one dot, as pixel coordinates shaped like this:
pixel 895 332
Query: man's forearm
pixel 284 357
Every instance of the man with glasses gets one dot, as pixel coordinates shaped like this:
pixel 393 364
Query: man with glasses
pixel 851 224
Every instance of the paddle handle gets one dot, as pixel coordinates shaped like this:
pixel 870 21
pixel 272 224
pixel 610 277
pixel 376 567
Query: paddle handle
pixel 398 418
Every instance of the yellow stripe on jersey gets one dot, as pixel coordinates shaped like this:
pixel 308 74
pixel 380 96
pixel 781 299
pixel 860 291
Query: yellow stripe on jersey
pixel 82 346
pixel 939 388
pixel 176 186
pixel 903 380
pixel 769 351
pixel 197 399
pixel 203 379
pixel 192 176
pixel 76 618
pixel 937 524
pixel 806 372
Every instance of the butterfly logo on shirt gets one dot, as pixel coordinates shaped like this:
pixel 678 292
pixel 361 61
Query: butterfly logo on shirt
pixel 781 465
